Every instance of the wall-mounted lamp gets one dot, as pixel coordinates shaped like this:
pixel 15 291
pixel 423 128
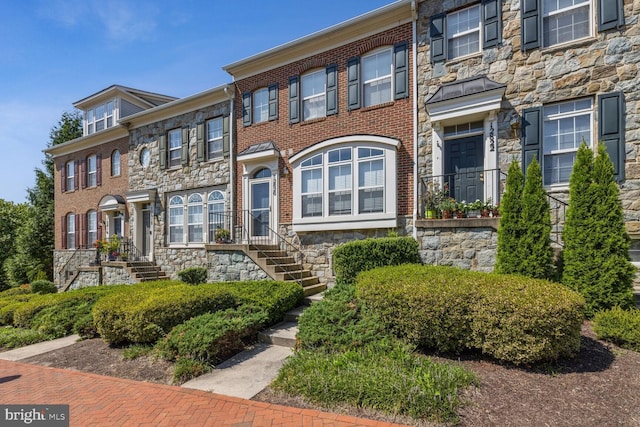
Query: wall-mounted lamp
pixel 514 122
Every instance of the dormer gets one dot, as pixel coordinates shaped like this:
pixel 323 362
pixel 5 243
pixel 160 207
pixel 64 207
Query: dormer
pixel 106 108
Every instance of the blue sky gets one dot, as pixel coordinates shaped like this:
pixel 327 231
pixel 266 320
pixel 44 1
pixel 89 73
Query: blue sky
pixel 56 52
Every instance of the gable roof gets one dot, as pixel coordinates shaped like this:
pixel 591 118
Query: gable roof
pixel 149 99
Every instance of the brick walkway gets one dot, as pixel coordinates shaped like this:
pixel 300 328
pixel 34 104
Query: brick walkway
pixel 106 401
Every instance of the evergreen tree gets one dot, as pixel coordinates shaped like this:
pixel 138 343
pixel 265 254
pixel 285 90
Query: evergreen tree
pixel 13 216
pixel 508 259
pixel 596 254
pixel 535 243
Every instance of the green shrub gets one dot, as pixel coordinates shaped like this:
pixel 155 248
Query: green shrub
pixel 510 318
pixel 11 337
pixel 43 287
pixel 187 369
pixel 337 323
pixel 193 275
pixel 59 320
pixel 17 290
pixel 213 337
pixel 362 255
pixel 144 314
pixel 384 376
pixel 137 350
pixel 9 305
pixel 621 327
pixel 85 327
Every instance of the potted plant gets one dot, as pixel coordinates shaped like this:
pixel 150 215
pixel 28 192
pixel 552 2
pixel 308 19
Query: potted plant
pixel 461 209
pixel 474 208
pixel 114 247
pixel 432 199
pixel 222 235
pixel 447 206
pixel 485 212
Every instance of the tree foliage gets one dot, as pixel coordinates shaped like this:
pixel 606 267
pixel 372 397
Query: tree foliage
pixel 13 215
pixel 511 228
pixel 596 254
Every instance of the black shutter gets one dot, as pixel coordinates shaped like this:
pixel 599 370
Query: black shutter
pixel 530 24
pixel 246 109
pixel 491 19
pixel 611 129
pixel 610 14
pixel 353 83
pixel 273 102
pixel 200 142
pixel 98 169
pixel 162 148
pixel 294 99
pixel 531 136
pixel 332 90
pixel 401 70
pixel 63 178
pixel 226 135
pixel 184 155
pixel 437 33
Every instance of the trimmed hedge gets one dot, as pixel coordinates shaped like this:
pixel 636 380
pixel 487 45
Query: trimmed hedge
pixel 213 337
pixel 511 318
pixel 193 275
pixel 362 255
pixel 8 306
pixel 621 327
pixel 43 287
pixel 144 314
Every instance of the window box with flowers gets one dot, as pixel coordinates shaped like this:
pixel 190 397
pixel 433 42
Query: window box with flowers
pixel 222 235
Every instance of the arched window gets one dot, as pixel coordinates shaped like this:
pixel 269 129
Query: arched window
pixel 115 163
pixel 216 213
pixel 70 179
pixel 70 234
pixel 195 219
pixel 92 171
pixel 176 220
pixel 262 173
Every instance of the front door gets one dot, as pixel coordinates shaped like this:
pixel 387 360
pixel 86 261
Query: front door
pixel 464 165
pixel 260 203
pixel 146 230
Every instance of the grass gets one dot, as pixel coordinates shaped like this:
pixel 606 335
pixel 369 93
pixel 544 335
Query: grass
pixel 11 337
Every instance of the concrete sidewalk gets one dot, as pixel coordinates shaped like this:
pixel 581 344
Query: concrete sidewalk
pixel 38 348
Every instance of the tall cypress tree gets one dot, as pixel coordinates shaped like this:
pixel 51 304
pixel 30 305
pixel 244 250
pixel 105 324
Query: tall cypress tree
pixel 596 255
pixel 535 243
pixel 510 229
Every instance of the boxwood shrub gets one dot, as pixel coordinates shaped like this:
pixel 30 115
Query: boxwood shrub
pixel 621 327
pixel 193 275
pixel 510 318
pixel 144 314
pixel 362 255
pixel 43 287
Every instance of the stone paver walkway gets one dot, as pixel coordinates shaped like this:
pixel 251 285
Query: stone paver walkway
pixel 106 401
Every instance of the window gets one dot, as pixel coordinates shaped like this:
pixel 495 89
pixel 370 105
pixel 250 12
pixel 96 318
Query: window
pixel 100 118
pixel 565 20
pixel 115 163
pixel 216 213
pixel 634 249
pixel 92 227
pixel 565 127
pixel 346 184
pixel 195 219
pixel 376 76
pixel 70 176
pixel 313 95
pixel 214 138
pixel 175 147
pixel 467 31
pixel 260 106
pixel 71 231
pixel 91 171
pixel 463 32
pixel 176 220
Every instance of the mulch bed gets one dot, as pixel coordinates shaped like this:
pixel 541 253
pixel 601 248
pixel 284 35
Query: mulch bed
pixel 600 387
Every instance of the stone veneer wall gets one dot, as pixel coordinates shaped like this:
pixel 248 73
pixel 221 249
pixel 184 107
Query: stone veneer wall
pixel 61 257
pixel 86 278
pixel 226 266
pixel 116 275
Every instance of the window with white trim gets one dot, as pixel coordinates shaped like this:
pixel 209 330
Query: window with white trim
pixel 261 105
pixel 115 163
pixel 314 93
pixel 214 138
pixel 565 126
pixel 175 146
pixel 92 227
pixel 377 69
pixel 463 32
pixel 91 171
pixel 71 231
pixel 99 118
pixel 349 184
pixel 216 213
pixel 176 220
pixel 70 175
pixel 565 20
pixel 195 219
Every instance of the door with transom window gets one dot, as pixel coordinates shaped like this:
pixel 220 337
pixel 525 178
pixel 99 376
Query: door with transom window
pixel 464 165
pixel 260 203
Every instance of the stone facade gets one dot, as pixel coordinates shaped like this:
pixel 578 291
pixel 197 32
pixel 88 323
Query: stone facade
pixel 225 266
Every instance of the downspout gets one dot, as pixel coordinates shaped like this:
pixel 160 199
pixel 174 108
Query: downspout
pixel 414 23
pixel 232 195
